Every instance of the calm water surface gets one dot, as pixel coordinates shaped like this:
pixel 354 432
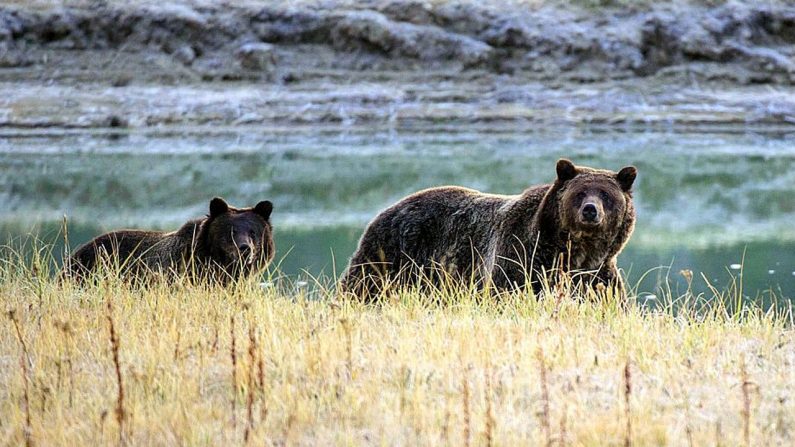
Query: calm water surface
pixel 704 200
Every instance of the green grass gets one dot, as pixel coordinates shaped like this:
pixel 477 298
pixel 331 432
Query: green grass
pixel 451 367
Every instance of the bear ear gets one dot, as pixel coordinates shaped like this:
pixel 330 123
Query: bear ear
pixel 566 170
pixel 264 209
pixel 626 177
pixel 218 206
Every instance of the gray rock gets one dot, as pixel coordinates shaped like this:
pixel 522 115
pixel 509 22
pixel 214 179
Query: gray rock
pixel 414 34
pixel 765 59
pixel 276 25
pixel 372 30
pixel 11 56
pixel 256 56
pixel 185 54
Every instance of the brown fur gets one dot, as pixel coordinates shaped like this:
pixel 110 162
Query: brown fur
pixel 227 244
pixel 507 241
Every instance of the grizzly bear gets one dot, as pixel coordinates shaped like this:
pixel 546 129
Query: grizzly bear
pixel 227 244
pixel 583 219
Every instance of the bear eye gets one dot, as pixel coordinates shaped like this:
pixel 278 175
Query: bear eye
pixel 580 195
pixel 605 196
pixel 252 234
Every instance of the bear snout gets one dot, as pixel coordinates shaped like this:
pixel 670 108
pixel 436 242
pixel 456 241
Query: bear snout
pixel 246 253
pixel 590 213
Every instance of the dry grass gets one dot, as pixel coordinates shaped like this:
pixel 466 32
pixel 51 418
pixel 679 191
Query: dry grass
pixel 312 371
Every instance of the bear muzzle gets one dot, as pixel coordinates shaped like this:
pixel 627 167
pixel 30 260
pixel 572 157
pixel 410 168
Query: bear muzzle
pixel 241 256
pixel 590 214
pixel 246 254
pixel 245 250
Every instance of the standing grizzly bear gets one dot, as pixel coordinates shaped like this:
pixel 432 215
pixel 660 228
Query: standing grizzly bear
pixel 584 218
pixel 227 244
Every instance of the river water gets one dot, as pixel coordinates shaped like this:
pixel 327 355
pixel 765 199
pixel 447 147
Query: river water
pixel 719 203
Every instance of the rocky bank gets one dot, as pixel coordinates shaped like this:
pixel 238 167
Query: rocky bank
pixel 395 63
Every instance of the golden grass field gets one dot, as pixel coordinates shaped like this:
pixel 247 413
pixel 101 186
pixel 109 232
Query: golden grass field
pixel 266 366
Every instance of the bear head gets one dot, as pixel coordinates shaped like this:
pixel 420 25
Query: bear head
pixel 594 203
pixel 239 240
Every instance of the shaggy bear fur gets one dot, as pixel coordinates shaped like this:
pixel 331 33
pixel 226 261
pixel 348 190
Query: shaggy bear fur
pixel 584 219
pixel 227 244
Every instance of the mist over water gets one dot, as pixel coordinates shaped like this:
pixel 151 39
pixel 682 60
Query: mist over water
pixel 708 202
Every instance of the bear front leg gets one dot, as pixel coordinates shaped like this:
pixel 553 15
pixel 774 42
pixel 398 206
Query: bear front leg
pixel 364 279
pixel 609 277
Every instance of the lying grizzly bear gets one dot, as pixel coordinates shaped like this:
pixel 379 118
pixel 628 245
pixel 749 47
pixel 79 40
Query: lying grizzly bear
pixel 227 244
pixel 584 219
